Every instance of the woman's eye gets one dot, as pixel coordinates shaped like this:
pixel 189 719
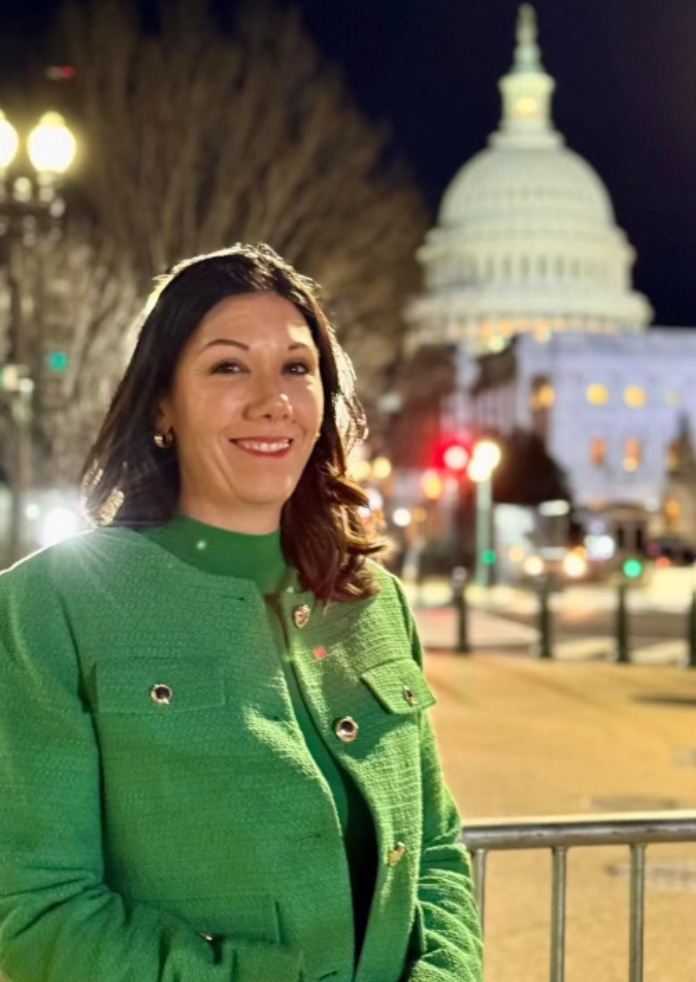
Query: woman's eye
pixel 298 368
pixel 228 368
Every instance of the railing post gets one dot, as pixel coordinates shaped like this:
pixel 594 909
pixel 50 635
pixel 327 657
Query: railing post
pixel 558 914
pixel 637 927
pixel 545 647
pixel 480 856
pixel 691 653
pixel 461 610
pixel 623 654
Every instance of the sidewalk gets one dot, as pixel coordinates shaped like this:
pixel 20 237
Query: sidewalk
pixel 668 591
pixel 491 633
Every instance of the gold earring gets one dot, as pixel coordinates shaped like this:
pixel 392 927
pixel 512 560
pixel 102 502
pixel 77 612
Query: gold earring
pixel 164 440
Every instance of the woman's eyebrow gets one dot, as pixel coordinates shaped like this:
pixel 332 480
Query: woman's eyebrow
pixel 227 341
pixel 245 347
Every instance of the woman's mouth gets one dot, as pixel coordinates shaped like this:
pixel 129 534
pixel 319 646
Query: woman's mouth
pixel 279 447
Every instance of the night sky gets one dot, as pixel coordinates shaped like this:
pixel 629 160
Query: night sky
pixel 625 99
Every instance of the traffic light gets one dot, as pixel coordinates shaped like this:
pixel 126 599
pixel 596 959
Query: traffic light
pixel 57 361
pixel 633 568
pixel 453 455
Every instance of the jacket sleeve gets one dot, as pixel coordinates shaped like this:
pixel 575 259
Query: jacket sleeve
pixel 59 921
pixel 446 942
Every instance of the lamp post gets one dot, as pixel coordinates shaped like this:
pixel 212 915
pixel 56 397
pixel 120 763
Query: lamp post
pixel 30 204
pixel 485 459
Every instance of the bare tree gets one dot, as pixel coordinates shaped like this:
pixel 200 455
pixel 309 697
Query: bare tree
pixel 88 311
pixel 199 138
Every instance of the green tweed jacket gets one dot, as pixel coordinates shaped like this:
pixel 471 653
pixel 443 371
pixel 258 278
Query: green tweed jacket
pixel 161 818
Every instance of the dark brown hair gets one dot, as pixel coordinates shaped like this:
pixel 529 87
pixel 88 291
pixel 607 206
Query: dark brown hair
pixel 126 480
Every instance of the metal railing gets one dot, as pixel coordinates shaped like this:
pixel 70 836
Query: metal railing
pixel 559 834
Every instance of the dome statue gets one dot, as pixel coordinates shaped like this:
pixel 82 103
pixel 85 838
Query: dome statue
pixel 526 238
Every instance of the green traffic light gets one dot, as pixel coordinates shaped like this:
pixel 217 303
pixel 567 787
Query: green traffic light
pixel 57 361
pixel 489 557
pixel 632 569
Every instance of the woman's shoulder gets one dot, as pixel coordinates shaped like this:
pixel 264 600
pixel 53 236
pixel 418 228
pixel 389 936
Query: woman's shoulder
pixel 79 555
pixel 389 583
pixel 389 601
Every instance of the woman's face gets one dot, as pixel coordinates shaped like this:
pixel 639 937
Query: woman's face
pixel 246 407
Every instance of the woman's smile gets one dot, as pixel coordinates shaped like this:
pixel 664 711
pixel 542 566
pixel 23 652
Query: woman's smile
pixel 273 447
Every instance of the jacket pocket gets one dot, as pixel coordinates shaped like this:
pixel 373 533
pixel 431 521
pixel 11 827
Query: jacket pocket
pixel 246 915
pixel 158 686
pixel 399 686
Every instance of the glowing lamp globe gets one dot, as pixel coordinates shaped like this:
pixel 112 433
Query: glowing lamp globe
pixel 9 142
pixel 487 455
pixel 51 145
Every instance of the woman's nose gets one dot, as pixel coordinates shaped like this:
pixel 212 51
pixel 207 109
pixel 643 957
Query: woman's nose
pixel 270 401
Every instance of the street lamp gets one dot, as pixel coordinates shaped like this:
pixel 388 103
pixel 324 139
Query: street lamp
pixel 484 461
pixel 30 204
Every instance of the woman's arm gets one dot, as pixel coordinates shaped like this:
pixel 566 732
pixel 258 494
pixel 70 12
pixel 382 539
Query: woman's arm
pixel 59 922
pixel 447 932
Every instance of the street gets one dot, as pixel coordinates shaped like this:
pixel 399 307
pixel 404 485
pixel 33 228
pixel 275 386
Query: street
pixel 522 737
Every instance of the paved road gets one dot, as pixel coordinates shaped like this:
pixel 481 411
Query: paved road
pixel 522 737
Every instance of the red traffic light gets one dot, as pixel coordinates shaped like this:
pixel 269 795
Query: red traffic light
pixel 453 454
pixel 456 457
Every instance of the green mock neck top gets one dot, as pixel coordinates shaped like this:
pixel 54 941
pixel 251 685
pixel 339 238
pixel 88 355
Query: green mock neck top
pixel 216 550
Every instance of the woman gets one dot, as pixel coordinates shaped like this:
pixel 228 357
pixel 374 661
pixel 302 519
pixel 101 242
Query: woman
pixel 215 757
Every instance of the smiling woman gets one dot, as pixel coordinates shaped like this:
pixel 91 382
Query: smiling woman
pixel 246 406
pixel 216 761
pixel 238 409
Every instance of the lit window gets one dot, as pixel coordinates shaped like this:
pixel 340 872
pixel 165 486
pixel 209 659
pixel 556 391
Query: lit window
pixel 635 397
pixel 598 395
pixel 632 454
pixel 527 105
pixel 598 451
pixel 672 512
pixel 544 396
pixel 674 456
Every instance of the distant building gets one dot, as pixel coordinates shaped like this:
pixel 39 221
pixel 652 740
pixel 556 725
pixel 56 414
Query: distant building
pixel 528 280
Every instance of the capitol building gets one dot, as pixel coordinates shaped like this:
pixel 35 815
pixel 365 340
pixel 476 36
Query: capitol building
pixel 528 280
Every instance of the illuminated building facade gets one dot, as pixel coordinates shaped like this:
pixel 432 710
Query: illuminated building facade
pixel 528 279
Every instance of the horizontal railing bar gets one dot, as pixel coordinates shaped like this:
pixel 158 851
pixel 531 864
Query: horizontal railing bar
pixel 580 830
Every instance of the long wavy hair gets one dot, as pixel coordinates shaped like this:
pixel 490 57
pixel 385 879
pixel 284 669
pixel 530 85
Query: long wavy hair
pixel 326 530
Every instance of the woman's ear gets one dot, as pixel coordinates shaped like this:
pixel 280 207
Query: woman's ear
pixel 163 415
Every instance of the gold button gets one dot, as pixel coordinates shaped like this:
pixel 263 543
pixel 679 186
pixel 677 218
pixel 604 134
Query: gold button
pixel 410 696
pixel 301 616
pixel 397 854
pixel 347 729
pixel 161 694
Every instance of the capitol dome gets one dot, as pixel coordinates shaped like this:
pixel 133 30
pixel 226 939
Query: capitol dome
pixel 538 190
pixel 526 238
